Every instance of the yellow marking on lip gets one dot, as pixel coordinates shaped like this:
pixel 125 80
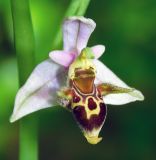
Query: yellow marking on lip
pixel 95 111
pixel 93 140
pixel 89 112
pixel 93 136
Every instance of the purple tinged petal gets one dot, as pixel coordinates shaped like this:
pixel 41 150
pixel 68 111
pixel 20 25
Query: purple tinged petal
pixel 98 50
pixel 39 91
pixel 62 57
pixel 76 32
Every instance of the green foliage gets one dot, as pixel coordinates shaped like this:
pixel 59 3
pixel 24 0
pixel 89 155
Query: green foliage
pixel 127 28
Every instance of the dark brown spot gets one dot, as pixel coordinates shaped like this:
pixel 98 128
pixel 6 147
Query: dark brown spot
pixel 76 99
pixel 91 104
pixel 80 115
pixel 102 114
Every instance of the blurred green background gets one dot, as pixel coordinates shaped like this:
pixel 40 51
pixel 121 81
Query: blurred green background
pixel 128 30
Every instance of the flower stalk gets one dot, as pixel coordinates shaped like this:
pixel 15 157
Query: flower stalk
pixel 25 50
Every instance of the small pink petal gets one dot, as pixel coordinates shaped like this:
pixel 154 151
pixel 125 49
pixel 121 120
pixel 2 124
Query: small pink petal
pixel 76 32
pixel 98 50
pixel 62 57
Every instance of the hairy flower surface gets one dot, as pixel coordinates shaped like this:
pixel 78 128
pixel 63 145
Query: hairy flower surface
pixel 76 79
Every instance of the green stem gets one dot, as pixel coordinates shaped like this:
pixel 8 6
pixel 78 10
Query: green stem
pixel 76 8
pixel 83 7
pixel 29 139
pixel 24 45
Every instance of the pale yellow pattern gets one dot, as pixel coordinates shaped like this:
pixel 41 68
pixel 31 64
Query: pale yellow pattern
pixel 85 105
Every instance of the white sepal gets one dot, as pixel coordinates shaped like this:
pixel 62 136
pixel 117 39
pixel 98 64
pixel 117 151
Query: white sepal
pixel 40 89
pixel 105 75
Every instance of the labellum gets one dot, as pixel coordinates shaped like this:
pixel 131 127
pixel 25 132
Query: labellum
pixel 85 99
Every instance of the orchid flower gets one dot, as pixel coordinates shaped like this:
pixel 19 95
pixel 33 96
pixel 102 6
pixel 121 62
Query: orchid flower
pixel 77 80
